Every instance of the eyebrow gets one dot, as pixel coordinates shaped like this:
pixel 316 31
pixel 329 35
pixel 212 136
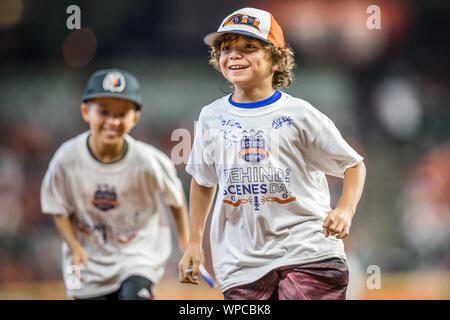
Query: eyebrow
pixel 248 39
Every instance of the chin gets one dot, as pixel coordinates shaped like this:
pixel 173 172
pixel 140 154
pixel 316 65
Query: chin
pixel 239 78
pixel 240 82
pixel 111 139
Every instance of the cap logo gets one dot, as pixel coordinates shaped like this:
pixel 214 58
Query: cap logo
pixel 114 82
pixel 243 19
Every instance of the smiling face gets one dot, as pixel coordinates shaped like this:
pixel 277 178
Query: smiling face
pixel 244 62
pixel 110 119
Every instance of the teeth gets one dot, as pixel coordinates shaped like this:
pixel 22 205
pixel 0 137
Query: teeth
pixel 237 67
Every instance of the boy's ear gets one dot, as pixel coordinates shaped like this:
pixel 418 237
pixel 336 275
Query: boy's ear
pixel 275 67
pixel 85 112
pixel 137 116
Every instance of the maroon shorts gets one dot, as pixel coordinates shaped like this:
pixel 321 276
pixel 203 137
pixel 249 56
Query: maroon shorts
pixel 322 280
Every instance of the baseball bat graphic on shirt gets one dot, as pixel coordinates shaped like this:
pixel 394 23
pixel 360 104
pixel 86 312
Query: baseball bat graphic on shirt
pixel 205 274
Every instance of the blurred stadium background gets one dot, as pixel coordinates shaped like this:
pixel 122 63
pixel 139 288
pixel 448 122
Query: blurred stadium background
pixel 387 91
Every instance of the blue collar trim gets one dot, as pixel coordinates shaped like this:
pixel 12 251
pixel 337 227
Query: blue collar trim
pixel 258 104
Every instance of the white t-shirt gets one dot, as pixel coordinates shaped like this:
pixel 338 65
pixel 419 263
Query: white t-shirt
pixel 270 162
pixel 117 210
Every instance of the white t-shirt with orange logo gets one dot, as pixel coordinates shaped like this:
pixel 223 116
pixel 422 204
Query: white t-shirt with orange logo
pixel 269 159
pixel 117 210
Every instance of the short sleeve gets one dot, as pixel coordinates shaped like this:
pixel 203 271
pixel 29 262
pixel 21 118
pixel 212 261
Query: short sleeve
pixel 169 185
pixel 201 160
pixel 328 151
pixel 54 190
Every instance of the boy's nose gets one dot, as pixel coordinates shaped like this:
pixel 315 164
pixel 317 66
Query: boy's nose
pixel 235 54
pixel 113 120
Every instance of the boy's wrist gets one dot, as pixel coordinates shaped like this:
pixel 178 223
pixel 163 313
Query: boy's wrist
pixel 350 209
pixel 195 235
pixel 196 241
pixel 74 245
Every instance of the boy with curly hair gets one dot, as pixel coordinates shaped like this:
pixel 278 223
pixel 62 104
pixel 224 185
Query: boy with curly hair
pixel 273 233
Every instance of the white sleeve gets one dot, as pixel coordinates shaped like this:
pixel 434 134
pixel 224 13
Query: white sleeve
pixel 328 151
pixel 54 190
pixel 168 183
pixel 201 164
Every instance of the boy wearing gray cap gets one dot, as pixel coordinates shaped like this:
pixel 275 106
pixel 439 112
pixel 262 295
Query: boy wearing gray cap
pixel 107 192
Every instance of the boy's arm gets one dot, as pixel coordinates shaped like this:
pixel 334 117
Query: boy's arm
pixel 201 199
pixel 181 222
pixel 65 227
pixel 339 220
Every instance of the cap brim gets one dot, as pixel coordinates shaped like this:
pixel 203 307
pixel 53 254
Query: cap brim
pixel 211 37
pixel 110 95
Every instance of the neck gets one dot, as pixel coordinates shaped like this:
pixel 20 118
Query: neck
pixel 246 95
pixel 106 153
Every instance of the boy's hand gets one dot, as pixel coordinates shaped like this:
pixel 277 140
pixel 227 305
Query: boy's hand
pixel 188 267
pixel 79 256
pixel 338 222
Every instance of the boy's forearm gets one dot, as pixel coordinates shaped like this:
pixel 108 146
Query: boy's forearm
pixel 181 222
pixel 201 199
pixel 353 186
pixel 65 227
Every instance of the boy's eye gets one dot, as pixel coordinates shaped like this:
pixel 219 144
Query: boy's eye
pixel 225 48
pixel 104 112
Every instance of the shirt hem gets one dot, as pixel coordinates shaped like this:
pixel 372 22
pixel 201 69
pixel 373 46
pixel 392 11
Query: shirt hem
pixel 101 292
pixel 200 181
pixel 352 163
pixel 93 293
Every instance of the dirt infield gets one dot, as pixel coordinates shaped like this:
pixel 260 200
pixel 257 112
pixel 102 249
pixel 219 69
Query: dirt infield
pixel 166 289
pixel 401 286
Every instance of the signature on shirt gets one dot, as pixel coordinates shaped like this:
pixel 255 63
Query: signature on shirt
pixel 229 123
pixel 230 129
pixel 278 123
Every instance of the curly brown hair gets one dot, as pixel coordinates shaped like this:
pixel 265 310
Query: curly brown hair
pixel 283 57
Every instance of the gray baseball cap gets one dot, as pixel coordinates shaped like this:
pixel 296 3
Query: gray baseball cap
pixel 114 83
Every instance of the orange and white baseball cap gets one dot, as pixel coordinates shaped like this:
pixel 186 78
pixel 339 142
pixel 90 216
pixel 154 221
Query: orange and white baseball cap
pixel 251 22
